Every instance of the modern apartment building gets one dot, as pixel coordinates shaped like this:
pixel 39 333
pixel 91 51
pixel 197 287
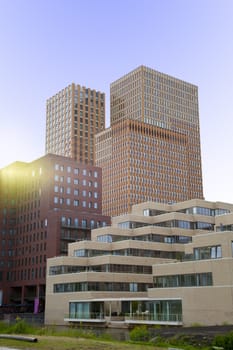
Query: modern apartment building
pixel 137 271
pixel 203 282
pixel 44 205
pixel 151 151
pixel 73 116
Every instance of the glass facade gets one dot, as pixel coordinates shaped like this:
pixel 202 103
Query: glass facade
pixel 185 280
pixel 212 252
pixel 112 268
pixel 99 286
pixel 131 310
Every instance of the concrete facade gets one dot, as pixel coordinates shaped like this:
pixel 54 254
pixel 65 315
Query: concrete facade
pixel 161 264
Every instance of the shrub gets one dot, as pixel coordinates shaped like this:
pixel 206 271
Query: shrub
pixel 19 327
pixel 140 333
pixel 225 341
pixel 3 327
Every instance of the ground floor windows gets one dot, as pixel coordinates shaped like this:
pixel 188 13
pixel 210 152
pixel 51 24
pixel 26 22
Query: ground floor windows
pixel 86 310
pixel 130 310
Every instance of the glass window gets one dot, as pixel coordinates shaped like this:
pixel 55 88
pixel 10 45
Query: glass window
pixel 76 171
pixel 84 223
pixel 95 174
pixel 133 287
pixel 219 252
pixel 68 169
pixel 68 180
pixel 79 252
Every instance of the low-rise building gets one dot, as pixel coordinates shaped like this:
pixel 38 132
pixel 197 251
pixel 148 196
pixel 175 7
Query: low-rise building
pixel 151 266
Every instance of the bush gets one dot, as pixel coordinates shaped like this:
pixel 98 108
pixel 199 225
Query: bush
pixel 3 327
pixel 225 341
pixel 19 327
pixel 140 333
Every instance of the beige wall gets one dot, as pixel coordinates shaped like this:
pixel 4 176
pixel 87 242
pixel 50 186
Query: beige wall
pixel 208 305
pixel 201 305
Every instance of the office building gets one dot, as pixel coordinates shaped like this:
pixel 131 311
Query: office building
pixel 151 151
pixel 73 116
pixel 44 205
pixel 163 264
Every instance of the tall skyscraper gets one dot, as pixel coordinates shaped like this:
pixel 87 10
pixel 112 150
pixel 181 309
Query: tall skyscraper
pixel 73 116
pixel 152 149
pixel 44 205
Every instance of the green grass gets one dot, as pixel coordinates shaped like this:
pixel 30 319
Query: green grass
pixel 81 338
pixel 69 343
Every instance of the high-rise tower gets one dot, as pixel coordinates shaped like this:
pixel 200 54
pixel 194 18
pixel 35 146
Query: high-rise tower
pixel 152 149
pixel 73 116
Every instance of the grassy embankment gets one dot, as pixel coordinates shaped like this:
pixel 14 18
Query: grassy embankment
pixel 77 338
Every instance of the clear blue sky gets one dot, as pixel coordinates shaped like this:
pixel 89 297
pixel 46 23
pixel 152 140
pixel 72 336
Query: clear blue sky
pixel 47 44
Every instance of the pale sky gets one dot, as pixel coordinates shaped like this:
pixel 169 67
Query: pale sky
pixel 47 44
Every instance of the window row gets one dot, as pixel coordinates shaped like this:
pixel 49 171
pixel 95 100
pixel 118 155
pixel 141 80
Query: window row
pixel 129 252
pixel 84 182
pixel 66 221
pixel 75 203
pixel 184 280
pixel 76 191
pixel 76 171
pixel 112 268
pixel 213 252
pixel 27 274
pixel 100 286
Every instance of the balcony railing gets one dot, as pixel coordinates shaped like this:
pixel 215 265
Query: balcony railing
pixel 143 317
pixel 88 317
